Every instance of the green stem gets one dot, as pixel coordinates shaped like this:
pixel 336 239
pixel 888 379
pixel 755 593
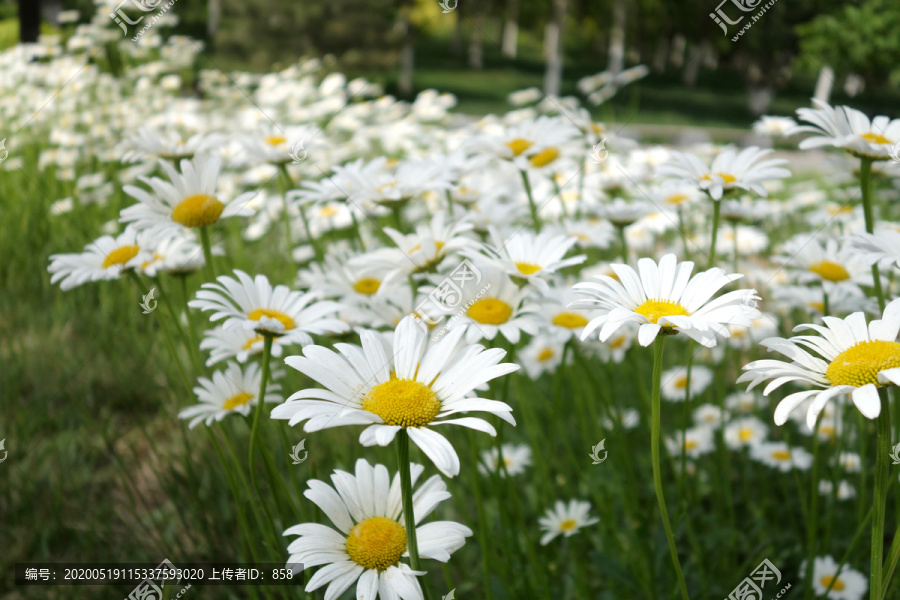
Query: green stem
pixel 812 526
pixel 865 184
pixel 449 202
pixel 882 453
pixel 655 426
pixel 624 242
pixel 711 259
pixel 254 431
pixel 207 254
pixel 409 517
pixel 535 220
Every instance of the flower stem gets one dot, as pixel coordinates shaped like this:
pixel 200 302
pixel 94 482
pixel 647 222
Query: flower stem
pixel 624 242
pixel 654 458
pixel 865 185
pixel 711 259
pixel 535 220
pixel 207 254
pixel 409 517
pixel 882 453
pixel 254 431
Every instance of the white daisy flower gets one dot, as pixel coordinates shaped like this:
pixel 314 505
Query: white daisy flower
pixel 849 129
pixel 627 418
pixel 781 456
pixel 695 442
pixel 496 305
pixel 774 126
pixel 855 360
pixel 177 254
pixel 278 146
pixel 665 299
pixel 233 390
pixel 188 199
pixel 169 144
pixel 370 539
pixel 103 259
pixel 528 255
pixel 745 402
pixel 849 584
pixel 808 260
pixel 559 320
pixel 675 380
pixel 253 304
pixel 516 458
pixel 237 343
pixel 407 386
pixel 708 415
pixel 882 247
pixel 565 519
pixel 729 171
pixel 845 490
pixel 541 355
pixel 745 431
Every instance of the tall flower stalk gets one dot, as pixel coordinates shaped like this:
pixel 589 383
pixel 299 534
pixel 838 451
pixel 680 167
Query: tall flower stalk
pixel 655 434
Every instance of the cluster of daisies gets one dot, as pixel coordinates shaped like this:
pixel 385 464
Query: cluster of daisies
pixel 446 246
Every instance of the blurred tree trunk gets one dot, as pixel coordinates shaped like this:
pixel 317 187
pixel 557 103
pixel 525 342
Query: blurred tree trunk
pixel 29 20
pixel 407 52
pixel 661 55
pixel 617 39
pixel 212 20
pixel 824 84
pixel 476 40
pixel 553 49
pixel 511 29
pixel 695 61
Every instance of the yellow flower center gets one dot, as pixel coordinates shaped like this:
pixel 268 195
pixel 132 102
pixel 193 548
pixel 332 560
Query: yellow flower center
pixel 568 525
pixel 259 313
pixel 527 268
pixel 569 320
pixel 376 543
pixel 676 199
pixel 403 402
pixel 367 286
pixel 542 159
pixel 618 342
pixel 781 455
pixel 838 584
pixel 518 146
pixel 197 211
pixel 745 434
pixel 155 258
pixel 653 310
pixel 328 211
pixel 875 138
pixel 830 271
pixel 237 400
pixel 438 246
pixel 546 354
pixel 840 210
pixel 727 178
pixel 250 342
pixel 120 255
pixel 275 140
pixel 690 445
pixel 598 129
pixel 681 383
pixel 860 364
pixel 819 306
pixel 490 311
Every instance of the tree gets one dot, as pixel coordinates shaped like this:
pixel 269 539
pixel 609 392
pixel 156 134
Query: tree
pixel 29 20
